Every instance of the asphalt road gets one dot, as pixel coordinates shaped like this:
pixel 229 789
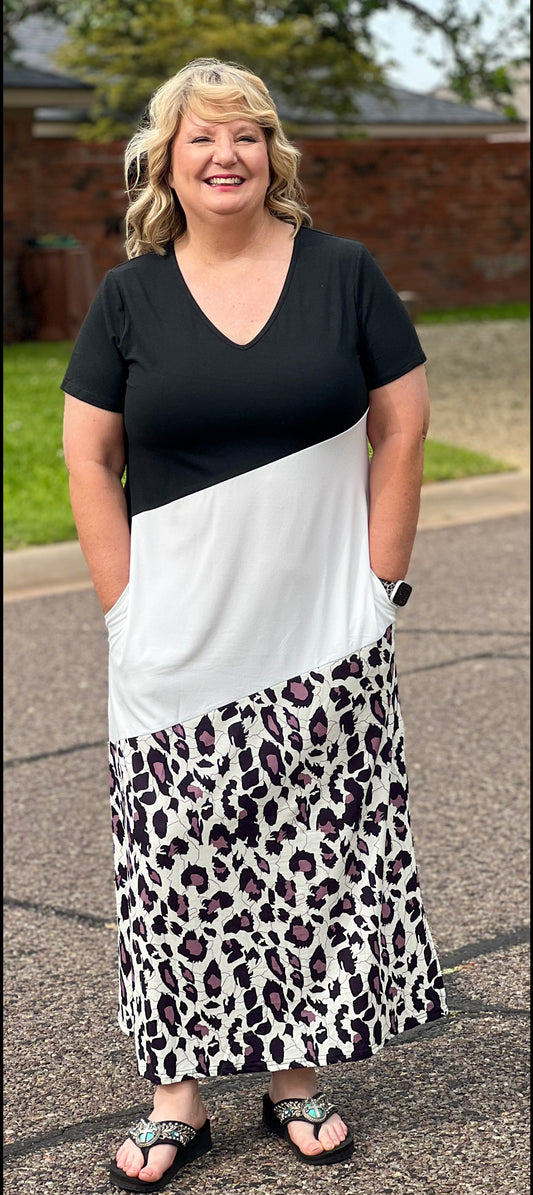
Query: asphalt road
pixel 444 1110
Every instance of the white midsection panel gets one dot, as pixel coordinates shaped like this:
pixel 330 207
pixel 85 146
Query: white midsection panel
pixel 244 584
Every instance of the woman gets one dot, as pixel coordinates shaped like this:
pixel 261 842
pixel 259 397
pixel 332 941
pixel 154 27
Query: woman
pixel 268 906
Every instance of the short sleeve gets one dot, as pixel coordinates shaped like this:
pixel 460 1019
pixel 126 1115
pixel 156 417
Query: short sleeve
pixel 389 346
pixel 97 371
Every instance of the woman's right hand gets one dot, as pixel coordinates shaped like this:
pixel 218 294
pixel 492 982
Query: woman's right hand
pixel 93 442
pixel 107 601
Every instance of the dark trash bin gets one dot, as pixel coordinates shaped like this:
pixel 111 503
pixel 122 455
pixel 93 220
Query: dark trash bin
pixel 58 285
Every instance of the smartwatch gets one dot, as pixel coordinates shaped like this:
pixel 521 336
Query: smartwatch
pixel 398 592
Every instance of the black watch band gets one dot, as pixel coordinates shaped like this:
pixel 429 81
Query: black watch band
pixel 398 592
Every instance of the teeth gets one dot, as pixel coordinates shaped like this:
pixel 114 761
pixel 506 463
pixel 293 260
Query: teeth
pixel 224 182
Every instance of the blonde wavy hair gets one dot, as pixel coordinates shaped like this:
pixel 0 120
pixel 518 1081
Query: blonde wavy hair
pixel 155 216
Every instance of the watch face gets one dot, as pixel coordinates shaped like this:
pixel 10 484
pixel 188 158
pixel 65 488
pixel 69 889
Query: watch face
pixel 402 593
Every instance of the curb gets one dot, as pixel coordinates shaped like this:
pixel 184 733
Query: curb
pixel 60 568
pixel 474 499
pixel 51 568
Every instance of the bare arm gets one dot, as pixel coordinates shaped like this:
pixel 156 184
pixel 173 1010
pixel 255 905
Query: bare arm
pixel 93 442
pixel 397 424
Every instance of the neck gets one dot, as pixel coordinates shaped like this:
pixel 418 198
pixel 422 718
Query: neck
pixel 227 237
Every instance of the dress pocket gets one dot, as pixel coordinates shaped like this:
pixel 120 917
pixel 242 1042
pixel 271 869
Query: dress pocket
pixel 115 619
pixel 382 599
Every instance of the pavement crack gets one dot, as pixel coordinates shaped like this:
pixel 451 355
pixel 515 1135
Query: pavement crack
pixel 74 1132
pixel 60 751
pixel 502 941
pixel 69 914
pixel 485 634
pixel 481 655
pixel 476 1009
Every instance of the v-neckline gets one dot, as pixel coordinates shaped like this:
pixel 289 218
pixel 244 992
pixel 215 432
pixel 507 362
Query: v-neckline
pixel 273 315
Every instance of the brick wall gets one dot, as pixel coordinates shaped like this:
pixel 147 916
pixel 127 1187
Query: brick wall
pixel 21 180
pixel 448 219
pixel 57 186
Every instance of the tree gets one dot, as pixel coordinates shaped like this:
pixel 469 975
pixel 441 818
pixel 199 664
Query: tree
pixel 314 54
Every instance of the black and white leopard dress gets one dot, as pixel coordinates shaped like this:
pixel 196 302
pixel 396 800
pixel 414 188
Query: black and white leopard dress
pixel 269 910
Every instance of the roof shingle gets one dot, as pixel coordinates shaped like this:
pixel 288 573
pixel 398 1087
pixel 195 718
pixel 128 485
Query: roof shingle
pixel 399 107
pixel 28 77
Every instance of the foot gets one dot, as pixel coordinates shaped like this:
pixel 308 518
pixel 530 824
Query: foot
pixel 300 1084
pixel 172 1101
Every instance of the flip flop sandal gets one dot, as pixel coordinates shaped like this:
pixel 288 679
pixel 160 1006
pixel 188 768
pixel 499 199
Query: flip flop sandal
pixel 191 1143
pixel 316 1110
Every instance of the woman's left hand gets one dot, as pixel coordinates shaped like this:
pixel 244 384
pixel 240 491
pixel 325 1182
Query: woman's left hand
pixel 397 423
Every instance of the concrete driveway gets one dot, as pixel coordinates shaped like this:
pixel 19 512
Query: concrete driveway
pixel 444 1110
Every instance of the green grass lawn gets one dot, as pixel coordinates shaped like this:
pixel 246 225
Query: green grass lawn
pixel 36 502
pixel 461 315
pixel 445 462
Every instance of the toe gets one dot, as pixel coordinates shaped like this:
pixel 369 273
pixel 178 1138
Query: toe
pixel 333 1133
pixel 159 1160
pixel 304 1138
pixel 328 1139
pixel 129 1158
pixel 133 1164
pixel 312 1147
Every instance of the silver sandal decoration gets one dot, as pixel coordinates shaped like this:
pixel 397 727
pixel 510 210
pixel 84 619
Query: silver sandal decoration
pixel 146 1133
pixel 315 1110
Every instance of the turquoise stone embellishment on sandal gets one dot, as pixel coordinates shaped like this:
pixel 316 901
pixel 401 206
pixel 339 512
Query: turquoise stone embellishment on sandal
pixel 177 1134
pixel 316 1109
pixel 167 1132
pixel 313 1112
pixel 146 1136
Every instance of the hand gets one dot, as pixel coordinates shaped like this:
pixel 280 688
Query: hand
pixel 111 597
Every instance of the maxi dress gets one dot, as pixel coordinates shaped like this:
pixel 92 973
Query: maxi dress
pixel 269 910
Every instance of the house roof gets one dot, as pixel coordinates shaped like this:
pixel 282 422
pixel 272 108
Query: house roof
pixel 30 78
pixel 399 107
pixel 36 39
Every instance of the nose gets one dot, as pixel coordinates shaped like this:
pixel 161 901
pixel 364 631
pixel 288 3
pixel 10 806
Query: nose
pixel 224 151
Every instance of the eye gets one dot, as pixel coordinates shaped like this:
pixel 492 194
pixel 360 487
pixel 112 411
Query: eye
pixel 196 139
pixel 246 137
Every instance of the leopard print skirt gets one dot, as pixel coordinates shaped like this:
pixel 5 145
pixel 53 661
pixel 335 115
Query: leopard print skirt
pixel 269 910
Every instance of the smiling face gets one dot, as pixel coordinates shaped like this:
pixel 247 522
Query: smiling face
pixel 219 168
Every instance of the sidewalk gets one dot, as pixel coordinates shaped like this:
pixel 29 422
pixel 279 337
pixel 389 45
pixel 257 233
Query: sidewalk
pixel 57 568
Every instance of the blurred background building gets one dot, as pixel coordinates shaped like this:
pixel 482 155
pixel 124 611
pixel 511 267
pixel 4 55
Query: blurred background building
pixel 437 190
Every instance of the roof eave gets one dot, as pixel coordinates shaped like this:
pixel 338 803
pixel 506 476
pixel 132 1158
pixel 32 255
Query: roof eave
pixel 406 129
pixel 37 97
